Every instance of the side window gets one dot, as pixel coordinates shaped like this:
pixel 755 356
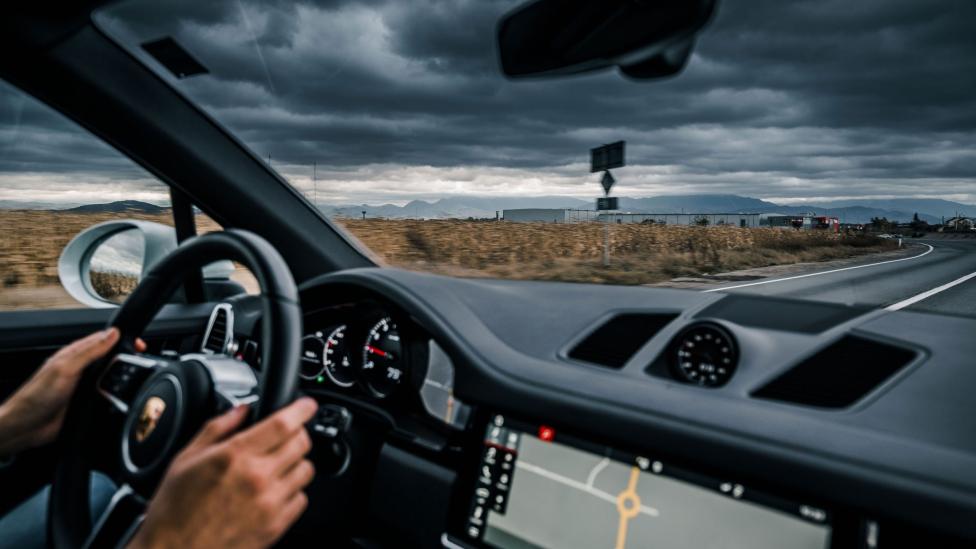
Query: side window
pixel 241 275
pixel 56 180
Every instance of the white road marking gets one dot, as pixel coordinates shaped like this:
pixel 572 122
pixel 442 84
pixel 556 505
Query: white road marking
pixel 596 471
pixel 925 253
pixel 927 294
pixel 556 477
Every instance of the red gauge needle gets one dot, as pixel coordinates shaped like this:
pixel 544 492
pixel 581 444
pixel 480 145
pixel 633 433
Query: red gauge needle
pixel 380 352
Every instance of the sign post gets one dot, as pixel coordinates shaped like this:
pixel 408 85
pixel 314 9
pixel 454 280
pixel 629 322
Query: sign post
pixel 603 159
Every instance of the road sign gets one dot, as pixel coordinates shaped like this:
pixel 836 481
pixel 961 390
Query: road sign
pixel 607 181
pixel 609 203
pixel 607 157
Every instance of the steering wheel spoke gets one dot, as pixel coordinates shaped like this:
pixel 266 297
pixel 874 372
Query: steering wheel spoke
pixel 119 521
pixel 124 376
pixel 234 381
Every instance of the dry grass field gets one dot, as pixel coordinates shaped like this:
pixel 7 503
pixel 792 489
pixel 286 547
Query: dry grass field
pixel 31 242
pixel 113 286
pixel 640 254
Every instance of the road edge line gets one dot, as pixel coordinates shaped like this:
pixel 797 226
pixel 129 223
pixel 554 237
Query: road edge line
pixel 928 293
pixel 923 254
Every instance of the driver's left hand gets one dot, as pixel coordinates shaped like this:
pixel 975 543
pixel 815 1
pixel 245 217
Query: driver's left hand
pixel 32 417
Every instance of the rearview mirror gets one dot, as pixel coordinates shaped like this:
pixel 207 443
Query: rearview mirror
pixel 644 39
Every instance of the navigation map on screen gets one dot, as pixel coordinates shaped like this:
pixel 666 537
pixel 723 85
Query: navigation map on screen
pixel 535 491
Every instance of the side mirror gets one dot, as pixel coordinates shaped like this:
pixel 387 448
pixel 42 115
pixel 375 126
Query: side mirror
pixel 103 264
pixel 644 39
pixel 116 265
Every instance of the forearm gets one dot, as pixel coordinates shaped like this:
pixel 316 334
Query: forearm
pixel 13 438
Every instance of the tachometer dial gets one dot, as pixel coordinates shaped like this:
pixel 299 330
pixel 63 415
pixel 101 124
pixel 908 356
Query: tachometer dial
pixel 384 366
pixel 338 365
pixel 313 353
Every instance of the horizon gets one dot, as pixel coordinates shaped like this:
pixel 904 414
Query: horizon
pixel 812 202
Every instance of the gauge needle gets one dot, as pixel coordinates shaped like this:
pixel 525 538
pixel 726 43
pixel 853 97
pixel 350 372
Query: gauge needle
pixel 380 352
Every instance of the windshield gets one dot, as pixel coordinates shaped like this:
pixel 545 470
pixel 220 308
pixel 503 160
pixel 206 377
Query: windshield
pixel 822 150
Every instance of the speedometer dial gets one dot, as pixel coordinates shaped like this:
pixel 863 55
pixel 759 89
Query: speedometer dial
pixel 338 366
pixel 384 366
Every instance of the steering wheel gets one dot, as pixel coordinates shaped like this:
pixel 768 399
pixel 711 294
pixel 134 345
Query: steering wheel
pixel 166 400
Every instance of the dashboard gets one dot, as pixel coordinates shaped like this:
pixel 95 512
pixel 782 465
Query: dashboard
pixel 525 414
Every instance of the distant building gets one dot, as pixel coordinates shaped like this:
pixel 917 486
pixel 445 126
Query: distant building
pixel 959 223
pixel 548 215
pixel 803 222
pixel 567 215
pixel 707 219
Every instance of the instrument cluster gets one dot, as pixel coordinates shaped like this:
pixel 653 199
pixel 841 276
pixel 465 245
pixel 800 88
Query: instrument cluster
pixel 355 348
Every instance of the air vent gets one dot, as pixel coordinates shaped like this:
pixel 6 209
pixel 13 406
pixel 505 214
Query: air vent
pixel 838 375
pixel 220 330
pixel 615 342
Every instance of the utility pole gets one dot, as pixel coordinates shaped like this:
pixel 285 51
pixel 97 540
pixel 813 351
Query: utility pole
pixel 315 188
pixel 607 181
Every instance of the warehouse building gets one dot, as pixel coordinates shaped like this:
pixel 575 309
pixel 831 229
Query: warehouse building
pixel 548 215
pixel 706 219
pixel 803 222
pixel 567 215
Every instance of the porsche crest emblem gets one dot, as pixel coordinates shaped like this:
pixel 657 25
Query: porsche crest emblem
pixel 149 418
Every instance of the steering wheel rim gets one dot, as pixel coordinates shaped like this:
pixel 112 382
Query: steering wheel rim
pixel 69 523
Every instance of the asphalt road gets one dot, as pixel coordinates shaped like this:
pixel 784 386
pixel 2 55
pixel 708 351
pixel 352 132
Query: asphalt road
pixel 940 278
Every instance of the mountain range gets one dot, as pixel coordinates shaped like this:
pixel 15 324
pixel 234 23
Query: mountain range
pixel 119 207
pixel 848 211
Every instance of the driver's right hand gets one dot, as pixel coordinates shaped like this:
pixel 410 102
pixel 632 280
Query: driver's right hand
pixel 233 490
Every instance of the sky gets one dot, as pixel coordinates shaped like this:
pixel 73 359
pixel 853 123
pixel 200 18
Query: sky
pixel 122 253
pixel 395 100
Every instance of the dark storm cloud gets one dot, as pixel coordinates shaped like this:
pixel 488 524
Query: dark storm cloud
pixel 34 138
pixel 865 98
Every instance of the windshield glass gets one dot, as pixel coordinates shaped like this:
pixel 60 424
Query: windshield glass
pixel 821 150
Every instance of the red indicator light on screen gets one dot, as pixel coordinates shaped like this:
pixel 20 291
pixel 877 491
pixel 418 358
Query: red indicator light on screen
pixel 546 433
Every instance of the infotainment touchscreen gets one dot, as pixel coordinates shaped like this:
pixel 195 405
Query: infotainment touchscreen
pixel 539 488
